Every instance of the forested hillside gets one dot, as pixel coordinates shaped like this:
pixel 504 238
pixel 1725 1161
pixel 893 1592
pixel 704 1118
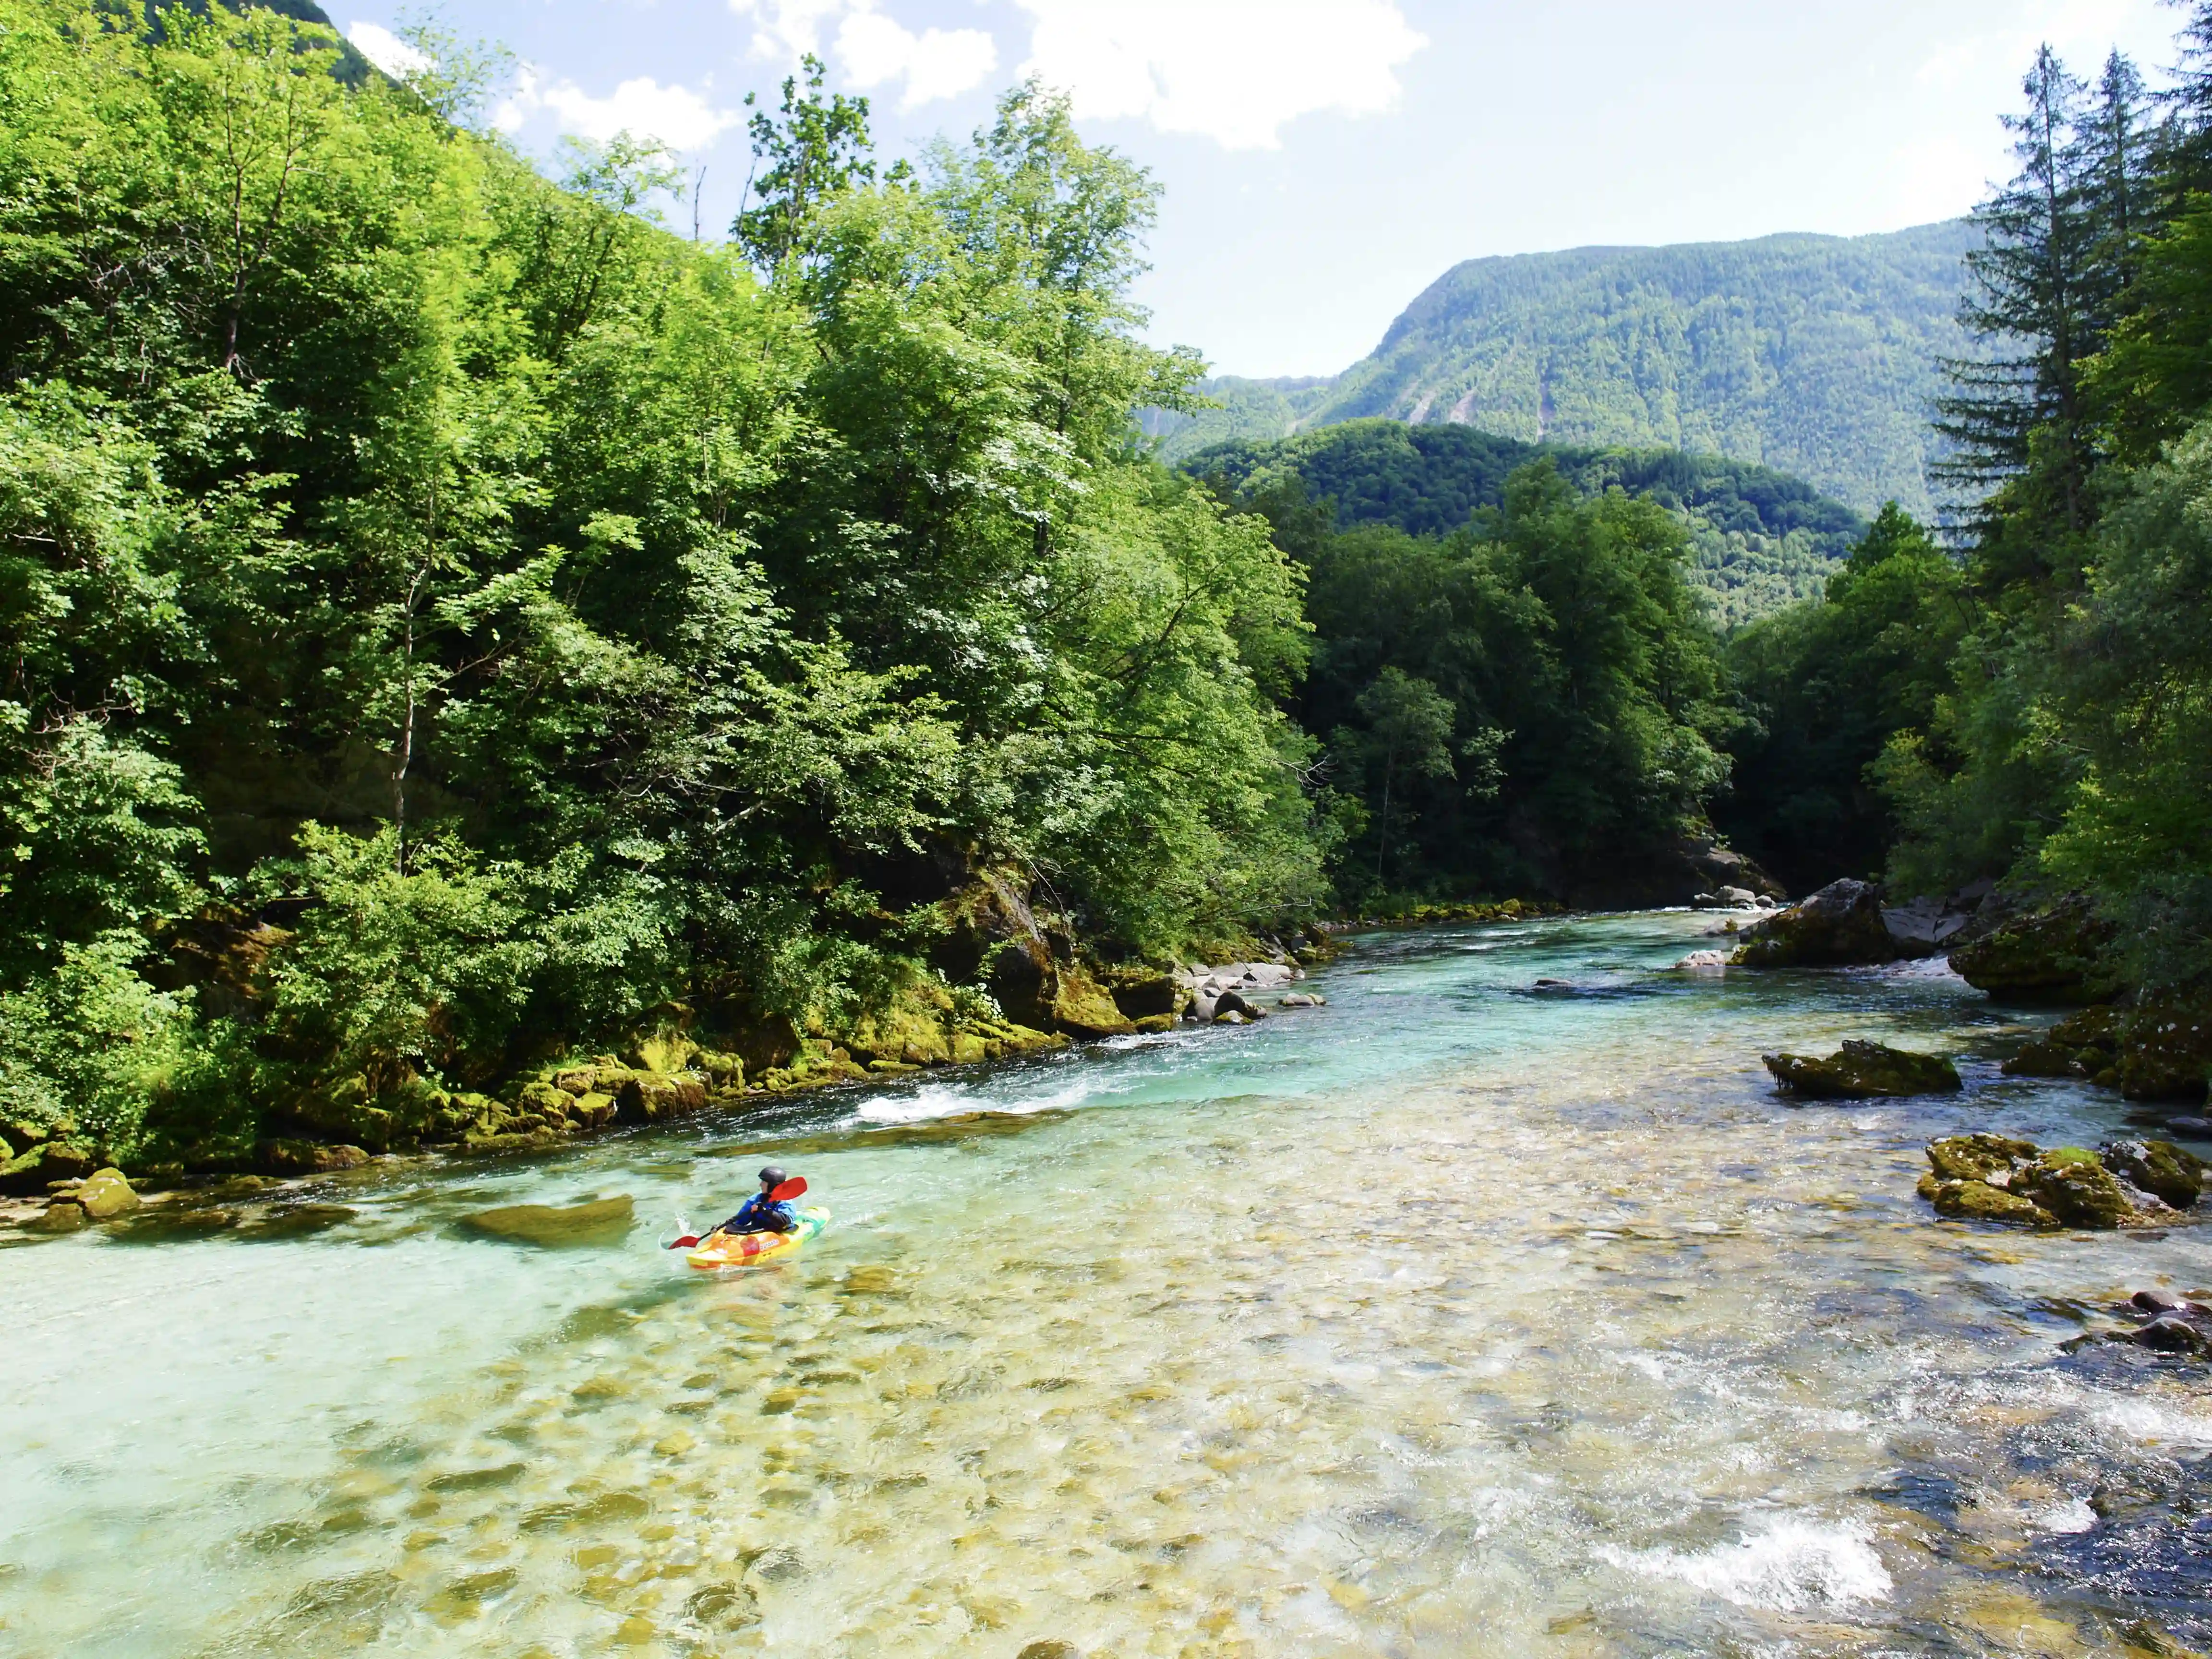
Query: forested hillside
pixel 1816 355
pixel 1757 539
pixel 451 622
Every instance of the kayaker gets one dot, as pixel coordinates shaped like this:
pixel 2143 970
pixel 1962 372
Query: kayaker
pixel 763 1214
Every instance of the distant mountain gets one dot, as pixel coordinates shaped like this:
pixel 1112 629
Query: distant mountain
pixel 1816 355
pixel 1760 538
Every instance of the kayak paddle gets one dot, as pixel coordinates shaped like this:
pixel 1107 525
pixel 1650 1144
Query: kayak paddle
pixel 794 1187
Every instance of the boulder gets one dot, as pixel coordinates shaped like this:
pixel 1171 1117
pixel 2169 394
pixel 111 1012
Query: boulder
pixel 1082 1008
pixel 605 1221
pixel 669 1049
pixel 1703 962
pixel 1153 1025
pixel 1976 1201
pixel 2166 1048
pixel 1865 1071
pixel 2070 1183
pixel 2159 1168
pixel 1840 926
pixel 654 1097
pixel 1141 992
pixel 1924 926
pixel 2054 955
pixel 62 1215
pixel 1231 1002
pixel 2169 1333
pixel 1977 1156
pixel 104 1195
pixel 31 1173
pixel 1298 1000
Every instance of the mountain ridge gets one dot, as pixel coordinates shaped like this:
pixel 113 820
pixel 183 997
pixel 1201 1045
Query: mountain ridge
pixel 1816 355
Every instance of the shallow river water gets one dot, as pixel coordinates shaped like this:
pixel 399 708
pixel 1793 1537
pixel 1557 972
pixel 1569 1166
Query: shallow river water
pixel 1449 1319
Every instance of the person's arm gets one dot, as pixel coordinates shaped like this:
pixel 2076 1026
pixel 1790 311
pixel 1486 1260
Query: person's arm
pixel 782 1218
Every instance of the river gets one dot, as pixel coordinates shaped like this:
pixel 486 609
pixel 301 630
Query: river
pixel 1449 1319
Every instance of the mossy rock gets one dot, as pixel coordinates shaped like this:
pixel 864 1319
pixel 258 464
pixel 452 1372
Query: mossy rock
pixel 2172 1174
pixel 669 1049
pixel 1865 1071
pixel 63 1216
pixel 1142 991
pixel 1840 926
pixel 307 1157
pixel 2074 1186
pixel 2166 1048
pixel 969 1047
pixel 1082 1007
pixel 105 1195
pixel 604 1221
pixel 30 1173
pixel 1153 1024
pixel 1977 1156
pixel 914 1028
pixel 655 1098
pixel 2059 954
pixel 1976 1201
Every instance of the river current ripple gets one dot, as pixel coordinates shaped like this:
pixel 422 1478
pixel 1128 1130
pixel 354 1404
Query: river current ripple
pixel 1448 1319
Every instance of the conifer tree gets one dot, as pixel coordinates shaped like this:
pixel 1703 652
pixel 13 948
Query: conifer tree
pixel 2021 411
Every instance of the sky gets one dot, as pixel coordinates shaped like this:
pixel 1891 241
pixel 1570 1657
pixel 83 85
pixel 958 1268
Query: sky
pixel 1324 161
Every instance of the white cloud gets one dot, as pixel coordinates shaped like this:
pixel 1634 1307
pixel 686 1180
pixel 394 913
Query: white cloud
pixel 678 116
pixel 386 50
pixel 872 48
pixel 1232 70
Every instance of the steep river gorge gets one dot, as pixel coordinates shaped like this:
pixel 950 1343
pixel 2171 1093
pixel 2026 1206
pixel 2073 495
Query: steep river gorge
pixel 1448 1319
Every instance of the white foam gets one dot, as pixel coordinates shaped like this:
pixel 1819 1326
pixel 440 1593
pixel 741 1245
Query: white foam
pixel 936 1100
pixel 1786 1567
pixel 2073 1515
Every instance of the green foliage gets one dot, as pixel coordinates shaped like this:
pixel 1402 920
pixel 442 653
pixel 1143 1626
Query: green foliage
pixel 545 620
pixel 2133 689
pixel 1531 704
pixel 1830 686
pixel 1758 539
pixel 89 1044
pixel 1812 354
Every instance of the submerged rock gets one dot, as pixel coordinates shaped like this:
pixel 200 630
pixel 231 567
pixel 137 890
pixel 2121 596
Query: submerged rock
pixel 1864 1071
pixel 1840 926
pixel 606 1221
pixel 62 1215
pixel 1703 962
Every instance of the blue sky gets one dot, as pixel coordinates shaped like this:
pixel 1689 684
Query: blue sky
pixel 1326 160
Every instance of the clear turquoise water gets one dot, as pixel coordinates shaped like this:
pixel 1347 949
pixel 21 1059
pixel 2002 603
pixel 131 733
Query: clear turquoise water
pixel 1448 1319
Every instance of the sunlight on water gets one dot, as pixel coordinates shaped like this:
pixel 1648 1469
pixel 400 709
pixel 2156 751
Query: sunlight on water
pixel 1447 1319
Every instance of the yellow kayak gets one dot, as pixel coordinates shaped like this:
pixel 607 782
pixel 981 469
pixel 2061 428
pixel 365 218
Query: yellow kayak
pixel 749 1250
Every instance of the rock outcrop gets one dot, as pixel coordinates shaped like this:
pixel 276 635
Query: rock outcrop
pixel 2059 954
pixel 1988 1177
pixel 1864 1071
pixel 1840 926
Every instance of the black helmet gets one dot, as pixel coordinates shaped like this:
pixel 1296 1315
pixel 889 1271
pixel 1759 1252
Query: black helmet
pixel 773 1176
